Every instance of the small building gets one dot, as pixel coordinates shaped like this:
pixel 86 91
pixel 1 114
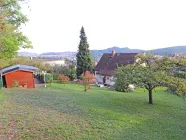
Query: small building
pixel 55 62
pixel 108 64
pixel 18 76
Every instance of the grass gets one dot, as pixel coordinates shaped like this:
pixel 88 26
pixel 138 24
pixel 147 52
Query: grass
pixel 67 112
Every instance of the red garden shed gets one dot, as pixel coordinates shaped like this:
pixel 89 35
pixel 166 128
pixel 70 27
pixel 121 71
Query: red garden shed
pixel 18 75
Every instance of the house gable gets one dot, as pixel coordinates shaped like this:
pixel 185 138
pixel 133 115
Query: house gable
pixel 110 61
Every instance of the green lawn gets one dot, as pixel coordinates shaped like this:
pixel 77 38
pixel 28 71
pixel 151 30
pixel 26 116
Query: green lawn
pixel 67 112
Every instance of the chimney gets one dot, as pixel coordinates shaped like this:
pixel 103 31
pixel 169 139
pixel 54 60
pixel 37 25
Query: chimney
pixel 113 53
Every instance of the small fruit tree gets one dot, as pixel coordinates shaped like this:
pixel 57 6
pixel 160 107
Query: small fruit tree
pixel 88 79
pixel 63 79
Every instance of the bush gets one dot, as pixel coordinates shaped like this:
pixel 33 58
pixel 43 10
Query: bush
pixel 88 79
pixel 71 72
pixel 55 76
pixel 123 79
pixel 48 78
pixel 63 79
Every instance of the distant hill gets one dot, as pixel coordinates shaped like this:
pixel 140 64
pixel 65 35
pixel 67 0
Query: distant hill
pixel 117 49
pixel 96 53
pixel 27 54
pixel 170 50
pixel 99 53
pixel 161 51
pixel 58 53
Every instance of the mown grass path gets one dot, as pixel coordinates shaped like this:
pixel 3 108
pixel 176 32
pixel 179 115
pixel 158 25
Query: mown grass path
pixel 67 112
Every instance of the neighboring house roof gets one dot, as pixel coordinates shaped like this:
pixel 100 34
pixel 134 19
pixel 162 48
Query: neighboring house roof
pixel 110 61
pixel 18 67
pixel 177 55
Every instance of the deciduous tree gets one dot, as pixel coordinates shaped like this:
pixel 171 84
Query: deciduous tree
pixel 150 72
pixel 11 37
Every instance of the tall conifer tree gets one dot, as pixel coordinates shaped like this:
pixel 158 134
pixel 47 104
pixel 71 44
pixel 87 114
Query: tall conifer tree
pixel 83 56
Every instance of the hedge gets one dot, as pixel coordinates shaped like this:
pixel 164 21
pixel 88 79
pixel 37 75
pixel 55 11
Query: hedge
pixel 55 76
pixel 48 77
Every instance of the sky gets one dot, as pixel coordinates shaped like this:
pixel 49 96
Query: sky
pixel 54 25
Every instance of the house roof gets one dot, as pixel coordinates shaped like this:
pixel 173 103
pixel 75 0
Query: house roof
pixel 18 67
pixel 109 63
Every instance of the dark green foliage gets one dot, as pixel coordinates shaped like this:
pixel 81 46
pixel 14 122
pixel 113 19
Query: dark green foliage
pixel 181 75
pixel 1 83
pixel 48 78
pixel 55 76
pixel 71 72
pixel 124 77
pixel 59 69
pixel 150 72
pixel 84 62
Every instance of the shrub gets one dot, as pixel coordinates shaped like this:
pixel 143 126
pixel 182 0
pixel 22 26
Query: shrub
pixel 48 78
pixel 55 76
pixel 71 72
pixel 63 79
pixel 88 79
pixel 123 79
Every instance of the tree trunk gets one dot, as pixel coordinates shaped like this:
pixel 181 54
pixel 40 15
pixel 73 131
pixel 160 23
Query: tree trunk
pixel 85 86
pixel 150 96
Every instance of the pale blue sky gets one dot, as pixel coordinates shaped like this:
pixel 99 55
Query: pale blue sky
pixel 143 24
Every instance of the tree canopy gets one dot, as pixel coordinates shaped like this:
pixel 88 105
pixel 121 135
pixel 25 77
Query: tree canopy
pixel 150 72
pixel 11 36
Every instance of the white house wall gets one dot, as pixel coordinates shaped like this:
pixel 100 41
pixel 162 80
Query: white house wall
pixel 56 62
pixel 98 78
pixel 109 81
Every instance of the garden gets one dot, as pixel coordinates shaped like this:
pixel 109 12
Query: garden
pixel 68 112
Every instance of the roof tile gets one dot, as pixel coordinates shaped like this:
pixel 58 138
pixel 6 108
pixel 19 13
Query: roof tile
pixel 109 63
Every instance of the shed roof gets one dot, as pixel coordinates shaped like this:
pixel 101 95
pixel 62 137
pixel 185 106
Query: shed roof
pixel 18 67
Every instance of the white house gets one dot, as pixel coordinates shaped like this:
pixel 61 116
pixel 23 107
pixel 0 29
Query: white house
pixel 108 63
pixel 55 62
